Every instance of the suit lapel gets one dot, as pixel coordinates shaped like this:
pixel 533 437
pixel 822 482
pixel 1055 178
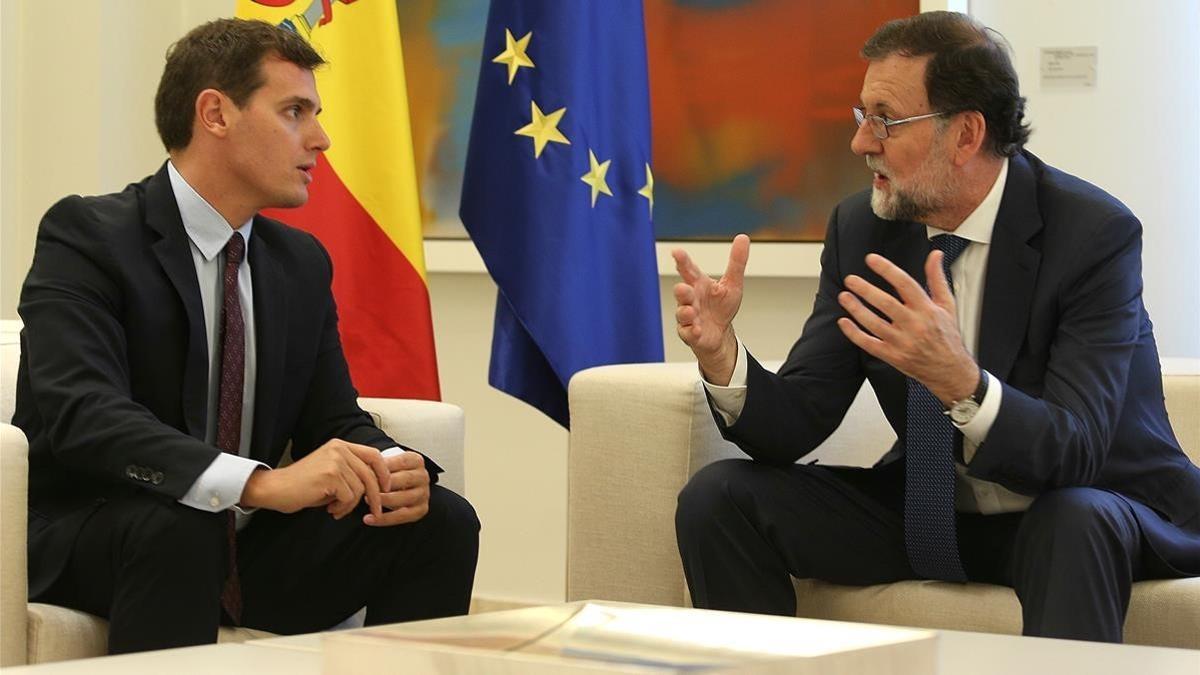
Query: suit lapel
pixel 173 253
pixel 270 322
pixel 907 246
pixel 1012 271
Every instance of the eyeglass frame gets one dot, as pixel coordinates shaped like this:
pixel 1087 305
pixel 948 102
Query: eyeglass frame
pixel 861 117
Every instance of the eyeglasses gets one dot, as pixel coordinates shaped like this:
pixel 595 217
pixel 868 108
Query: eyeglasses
pixel 879 125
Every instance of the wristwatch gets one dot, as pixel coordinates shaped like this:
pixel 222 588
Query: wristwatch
pixel 962 412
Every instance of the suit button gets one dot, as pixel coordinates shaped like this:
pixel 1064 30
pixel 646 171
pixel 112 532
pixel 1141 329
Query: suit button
pixel 156 477
pixel 130 471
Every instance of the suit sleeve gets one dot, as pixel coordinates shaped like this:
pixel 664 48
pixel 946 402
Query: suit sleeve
pixel 1060 436
pixel 787 415
pixel 330 408
pixel 74 346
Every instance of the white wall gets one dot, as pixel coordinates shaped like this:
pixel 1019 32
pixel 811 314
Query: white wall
pixel 1137 134
pixel 77 102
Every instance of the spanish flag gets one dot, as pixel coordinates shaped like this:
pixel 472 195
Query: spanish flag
pixel 363 202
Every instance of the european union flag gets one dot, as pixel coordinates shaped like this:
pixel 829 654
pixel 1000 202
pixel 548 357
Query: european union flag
pixel 558 193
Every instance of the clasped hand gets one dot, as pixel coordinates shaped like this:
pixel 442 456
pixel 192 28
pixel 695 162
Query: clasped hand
pixel 917 334
pixel 338 475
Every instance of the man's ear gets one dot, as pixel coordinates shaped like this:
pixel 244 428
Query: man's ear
pixel 213 113
pixel 971 133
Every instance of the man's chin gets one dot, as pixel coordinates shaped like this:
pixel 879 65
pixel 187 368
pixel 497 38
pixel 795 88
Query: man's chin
pixel 882 205
pixel 292 201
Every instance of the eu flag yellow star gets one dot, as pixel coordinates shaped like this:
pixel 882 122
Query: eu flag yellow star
pixel 514 55
pixel 595 177
pixel 647 190
pixel 543 128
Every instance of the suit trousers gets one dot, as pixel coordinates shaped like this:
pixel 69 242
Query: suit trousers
pixel 744 528
pixel 155 568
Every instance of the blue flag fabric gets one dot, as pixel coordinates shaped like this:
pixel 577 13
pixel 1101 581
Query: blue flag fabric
pixel 558 193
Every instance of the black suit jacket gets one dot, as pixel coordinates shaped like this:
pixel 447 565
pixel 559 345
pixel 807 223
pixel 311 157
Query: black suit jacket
pixel 1064 329
pixel 113 380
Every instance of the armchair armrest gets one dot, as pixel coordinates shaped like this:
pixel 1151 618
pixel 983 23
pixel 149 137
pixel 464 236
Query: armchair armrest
pixel 14 491
pixel 434 428
pixel 638 433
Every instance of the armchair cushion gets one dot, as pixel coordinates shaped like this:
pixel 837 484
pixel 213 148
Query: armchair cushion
pixel 638 433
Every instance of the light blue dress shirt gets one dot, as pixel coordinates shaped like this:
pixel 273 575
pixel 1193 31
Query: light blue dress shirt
pixel 220 486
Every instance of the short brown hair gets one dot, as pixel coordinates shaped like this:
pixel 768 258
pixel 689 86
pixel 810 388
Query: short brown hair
pixel 970 70
pixel 225 55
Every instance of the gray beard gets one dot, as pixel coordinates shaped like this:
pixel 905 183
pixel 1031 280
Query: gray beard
pixel 901 206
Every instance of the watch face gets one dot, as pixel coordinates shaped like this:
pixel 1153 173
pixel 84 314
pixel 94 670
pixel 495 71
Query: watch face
pixel 964 411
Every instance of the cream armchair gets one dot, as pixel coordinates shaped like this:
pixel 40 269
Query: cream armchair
pixel 638 432
pixel 37 633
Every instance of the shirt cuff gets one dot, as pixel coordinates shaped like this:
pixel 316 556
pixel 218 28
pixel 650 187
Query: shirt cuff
pixel 977 429
pixel 220 486
pixel 730 399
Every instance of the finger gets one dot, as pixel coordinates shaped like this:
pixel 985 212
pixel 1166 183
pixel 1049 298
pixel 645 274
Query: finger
pixel 685 316
pixel 355 487
pixel 400 516
pixel 868 343
pixel 344 499
pixel 872 322
pixel 689 335
pixel 876 297
pixel 739 255
pixel 404 461
pixel 939 287
pixel 688 270
pixel 409 479
pixel 365 479
pixel 403 498
pixel 908 288
pixel 684 294
pixel 373 459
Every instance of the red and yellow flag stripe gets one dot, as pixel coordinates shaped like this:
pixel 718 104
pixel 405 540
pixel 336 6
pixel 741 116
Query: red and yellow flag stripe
pixel 363 202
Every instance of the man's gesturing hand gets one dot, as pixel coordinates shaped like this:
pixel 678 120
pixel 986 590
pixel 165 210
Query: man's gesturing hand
pixel 336 475
pixel 408 498
pixel 705 310
pixel 918 333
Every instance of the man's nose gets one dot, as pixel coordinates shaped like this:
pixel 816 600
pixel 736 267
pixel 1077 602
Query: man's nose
pixel 864 142
pixel 320 141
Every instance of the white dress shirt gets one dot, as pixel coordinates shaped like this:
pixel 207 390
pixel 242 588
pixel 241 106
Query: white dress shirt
pixel 220 486
pixel 969 272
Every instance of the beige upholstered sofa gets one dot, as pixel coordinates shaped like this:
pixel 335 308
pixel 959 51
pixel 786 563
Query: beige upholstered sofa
pixel 638 432
pixel 36 633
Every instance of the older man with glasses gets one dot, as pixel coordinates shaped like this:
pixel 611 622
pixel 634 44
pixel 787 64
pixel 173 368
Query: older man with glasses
pixel 994 304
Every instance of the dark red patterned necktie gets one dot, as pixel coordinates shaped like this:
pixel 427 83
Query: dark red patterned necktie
pixel 229 406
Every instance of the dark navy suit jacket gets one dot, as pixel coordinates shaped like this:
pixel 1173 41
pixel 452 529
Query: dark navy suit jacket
pixel 1063 328
pixel 113 381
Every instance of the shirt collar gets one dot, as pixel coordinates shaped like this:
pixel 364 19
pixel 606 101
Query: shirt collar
pixel 207 229
pixel 979 225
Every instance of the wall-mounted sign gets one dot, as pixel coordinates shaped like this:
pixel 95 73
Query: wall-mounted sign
pixel 1068 67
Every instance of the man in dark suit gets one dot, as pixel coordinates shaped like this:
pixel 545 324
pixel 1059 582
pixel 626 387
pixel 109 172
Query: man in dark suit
pixel 175 344
pixel 994 303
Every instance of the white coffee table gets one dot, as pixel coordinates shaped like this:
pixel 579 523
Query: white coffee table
pixel 957 652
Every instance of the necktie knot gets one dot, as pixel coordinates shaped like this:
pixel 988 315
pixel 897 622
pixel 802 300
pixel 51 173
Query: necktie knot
pixel 951 245
pixel 235 250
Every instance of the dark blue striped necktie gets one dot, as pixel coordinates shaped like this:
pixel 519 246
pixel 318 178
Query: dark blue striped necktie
pixel 930 538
